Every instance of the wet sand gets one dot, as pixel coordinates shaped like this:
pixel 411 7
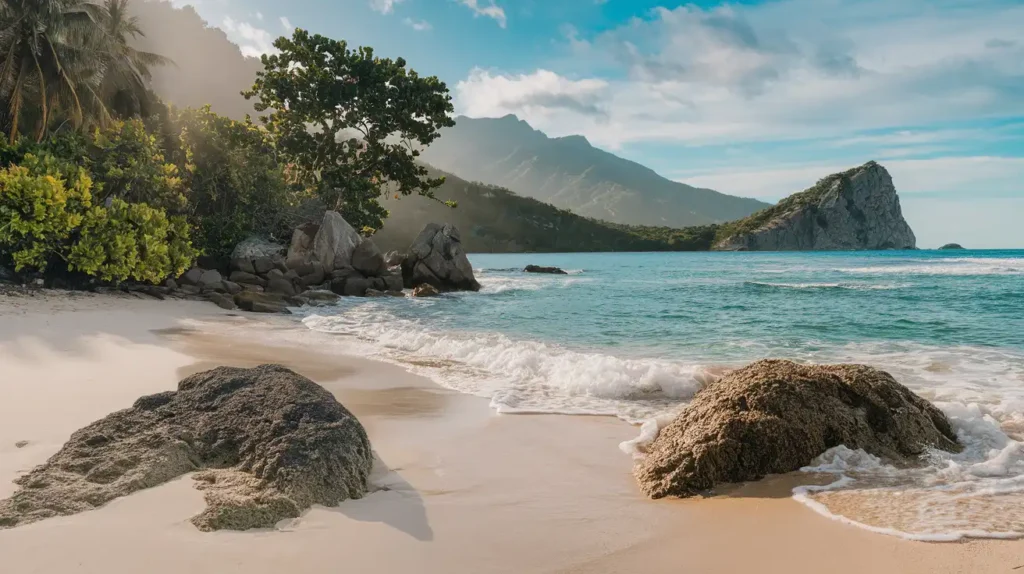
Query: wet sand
pixel 464 489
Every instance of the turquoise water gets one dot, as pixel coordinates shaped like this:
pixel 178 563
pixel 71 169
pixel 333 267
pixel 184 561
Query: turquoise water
pixel 636 335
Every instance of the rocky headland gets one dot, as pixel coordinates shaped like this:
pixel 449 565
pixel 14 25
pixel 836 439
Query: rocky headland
pixel 854 210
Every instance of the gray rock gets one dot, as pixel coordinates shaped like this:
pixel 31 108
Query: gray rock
pixel 393 282
pixel 231 287
pixel 356 286
pixel 368 260
pixel 282 286
pixel 858 209
pixel 190 289
pixel 773 417
pixel 247 278
pixel 274 274
pixel 262 302
pixel 243 264
pixel 951 247
pixel 547 270
pixel 425 290
pixel 171 284
pixel 268 444
pixel 334 242
pixel 314 277
pixel 222 301
pixel 210 279
pixel 319 297
pixel 263 265
pixel 300 251
pixel 438 259
pixel 191 277
pixel 250 288
pixel 255 247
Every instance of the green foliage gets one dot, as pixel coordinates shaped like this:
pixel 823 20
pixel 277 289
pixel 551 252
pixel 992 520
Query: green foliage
pixel 39 209
pixel 127 163
pixel 349 122
pixel 131 241
pixel 238 188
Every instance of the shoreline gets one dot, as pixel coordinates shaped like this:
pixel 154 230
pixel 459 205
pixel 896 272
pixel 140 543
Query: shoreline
pixel 467 489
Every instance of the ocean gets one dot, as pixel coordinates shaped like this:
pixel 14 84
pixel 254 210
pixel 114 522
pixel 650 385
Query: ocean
pixel 636 335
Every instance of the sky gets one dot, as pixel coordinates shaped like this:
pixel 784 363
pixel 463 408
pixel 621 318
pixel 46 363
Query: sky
pixel 752 98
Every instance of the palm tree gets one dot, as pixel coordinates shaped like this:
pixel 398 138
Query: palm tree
pixel 126 69
pixel 44 61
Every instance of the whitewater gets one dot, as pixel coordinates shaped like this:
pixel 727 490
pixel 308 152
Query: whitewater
pixel 637 335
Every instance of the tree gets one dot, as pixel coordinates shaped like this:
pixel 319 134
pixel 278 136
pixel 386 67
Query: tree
pixel 349 122
pixel 42 61
pixel 126 70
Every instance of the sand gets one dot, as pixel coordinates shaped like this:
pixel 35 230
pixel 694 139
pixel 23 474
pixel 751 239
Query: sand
pixel 466 490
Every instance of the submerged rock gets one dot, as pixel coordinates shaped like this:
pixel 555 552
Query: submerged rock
pixel 548 270
pixel 776 416
pixel 438 259
pixel 425 290
pixel 272 444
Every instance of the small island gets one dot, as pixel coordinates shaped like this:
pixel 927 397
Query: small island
pixel 951 247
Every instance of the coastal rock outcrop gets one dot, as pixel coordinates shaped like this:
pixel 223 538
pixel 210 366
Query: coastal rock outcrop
pixel 547 270
pixel 857 209
pixel 269 442
pixel 334 242
pixel 951 247
pixel 776 416
pixel 437 258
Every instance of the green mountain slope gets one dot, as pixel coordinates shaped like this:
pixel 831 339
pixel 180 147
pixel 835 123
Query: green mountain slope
pixel 495 220
pixel 571 174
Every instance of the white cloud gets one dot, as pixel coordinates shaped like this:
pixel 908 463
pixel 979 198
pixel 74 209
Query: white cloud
pixel 287 25
pixel 490 10
pixel 253 41
pixel 259 16
pixel 418 25
pixel 384 6
pixel 783 70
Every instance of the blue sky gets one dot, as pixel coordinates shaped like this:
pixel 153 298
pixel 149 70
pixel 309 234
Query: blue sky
pixel 751 98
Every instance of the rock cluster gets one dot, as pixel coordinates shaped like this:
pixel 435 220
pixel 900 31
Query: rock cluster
pixel 269 442
pixel 436 258
pixel 777 416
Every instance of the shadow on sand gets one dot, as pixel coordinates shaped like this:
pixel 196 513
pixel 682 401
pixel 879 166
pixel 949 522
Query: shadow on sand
pixel 391 501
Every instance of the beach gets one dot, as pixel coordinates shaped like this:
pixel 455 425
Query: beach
pixel 458 487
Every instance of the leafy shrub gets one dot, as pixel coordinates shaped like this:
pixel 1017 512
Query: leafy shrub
pixel 128 163
pixel 131 241
pixel 41 204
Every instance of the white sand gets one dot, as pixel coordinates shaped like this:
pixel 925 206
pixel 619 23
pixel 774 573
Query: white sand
pixel 471 491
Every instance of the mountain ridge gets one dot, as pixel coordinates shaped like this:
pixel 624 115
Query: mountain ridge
pixel 570 173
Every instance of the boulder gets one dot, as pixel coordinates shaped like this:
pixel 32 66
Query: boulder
pixel 281 285
pixel 262 265
pixel 190 289
pixel 300 251
pixel 425 290
pixel 255 247
pixel 231 287
pixel 171 284
pixel 314 277
pixel 368 260
pixel 356 286
pixel 250 288
pixel 6 275
pixel 210 279
pixel 774 417
pixel 222 301
pixel 262 302
pixel 274 274
pixel 394 259
pixel 334 242
pixel 243 264
pixel 318 297
pixel 438 259
pixel 548 270
pixel 191 277
pixel 393 282
pixel 247 278
pixel 268 444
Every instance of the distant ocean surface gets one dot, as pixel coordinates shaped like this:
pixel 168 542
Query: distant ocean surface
pixel 636 335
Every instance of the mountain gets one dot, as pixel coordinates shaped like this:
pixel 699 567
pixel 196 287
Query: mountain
pixel 208 68
pixel 856 209
pixel 571 174
pixel 496 220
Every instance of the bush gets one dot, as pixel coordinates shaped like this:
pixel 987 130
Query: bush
pixel 41 204
pixel 127 163
pixel 131 241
